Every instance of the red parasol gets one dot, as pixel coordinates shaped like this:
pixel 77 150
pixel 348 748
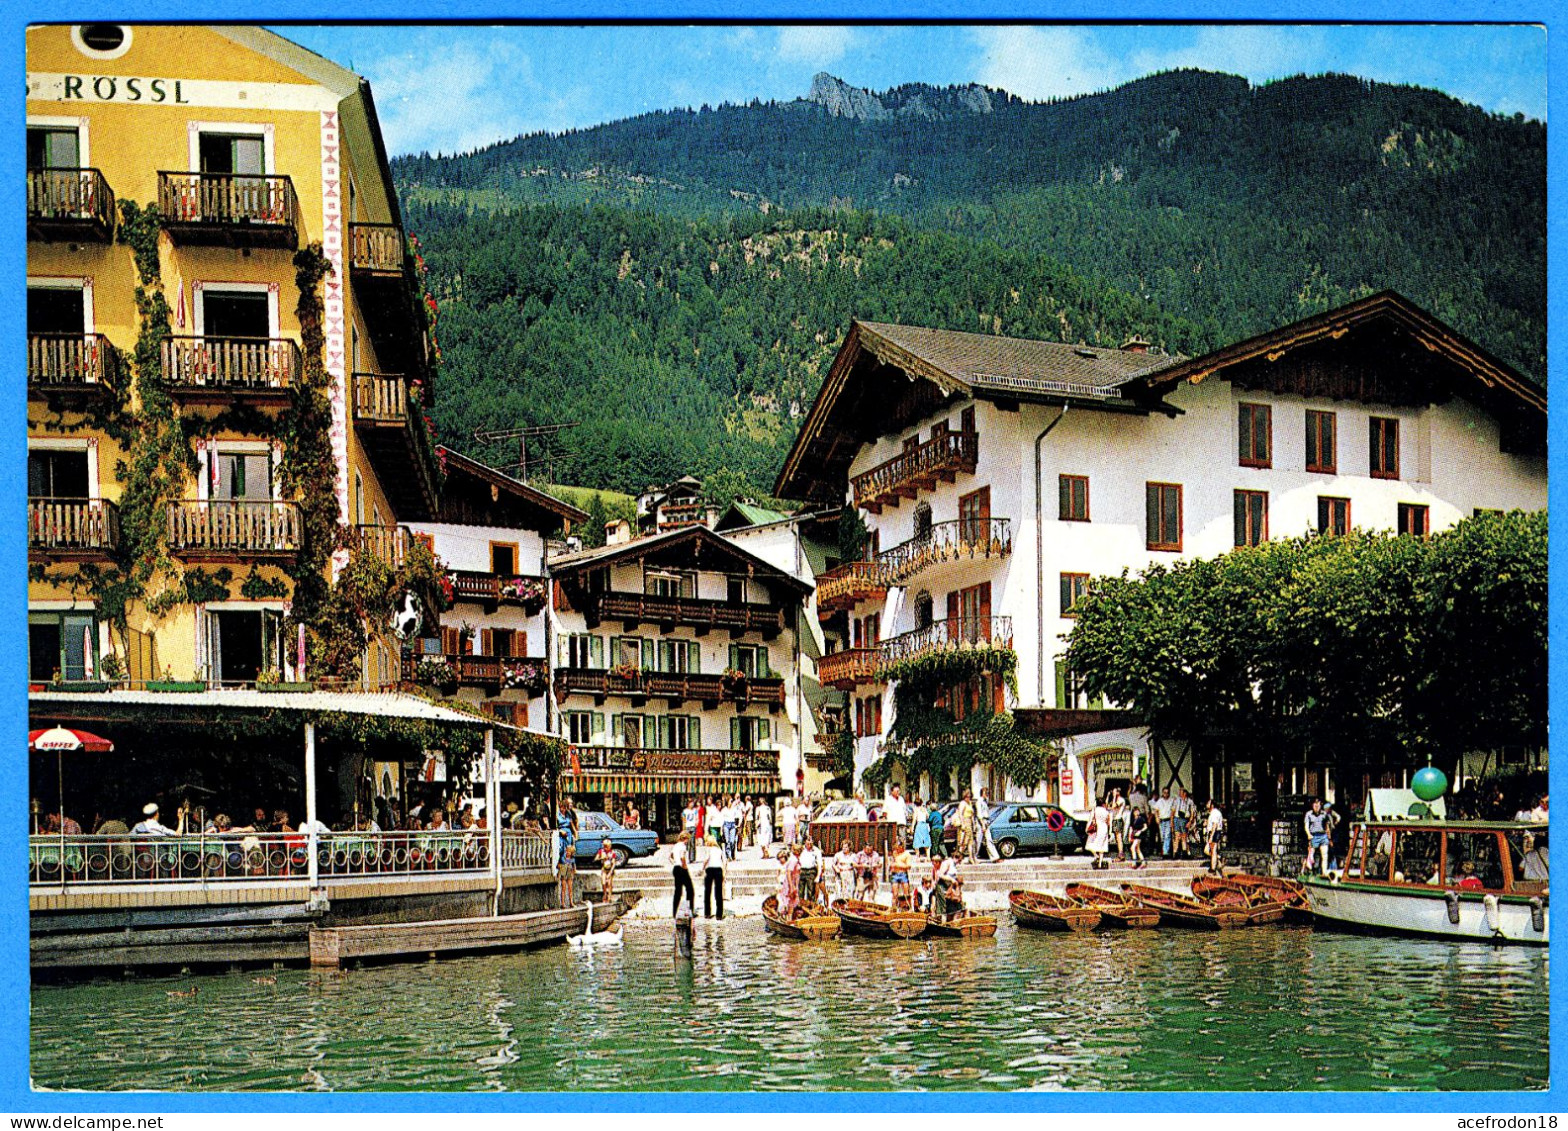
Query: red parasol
pixel 59 740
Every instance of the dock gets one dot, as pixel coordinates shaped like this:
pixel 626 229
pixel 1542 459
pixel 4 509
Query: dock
pixel 334 946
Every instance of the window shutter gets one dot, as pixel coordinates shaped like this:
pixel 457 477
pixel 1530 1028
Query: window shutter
pixel 486 642
pixel 735 734
pixel 985 604
pixel 596 651
pixel 952 611
pixel 596 725
pixel 666 656
pixel 519 643
pixel 693 656
pixel 764 730
pixel 449 641
pixel 562 651
pixel 617 729
pixel 520 713
pixel 647 653
pixel 1061 684
pixel 735 657
pixel 998 696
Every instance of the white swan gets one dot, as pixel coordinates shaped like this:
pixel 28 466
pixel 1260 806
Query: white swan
pixel 591 938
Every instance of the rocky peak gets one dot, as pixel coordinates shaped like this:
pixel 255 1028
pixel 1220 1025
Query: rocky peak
pixel 915 100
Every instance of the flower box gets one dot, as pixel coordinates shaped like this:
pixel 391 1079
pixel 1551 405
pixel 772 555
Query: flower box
pixel 89 685
pixel 176 685
pixel 296 685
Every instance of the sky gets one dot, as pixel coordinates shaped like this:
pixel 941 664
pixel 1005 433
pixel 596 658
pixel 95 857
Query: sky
pixel 453 89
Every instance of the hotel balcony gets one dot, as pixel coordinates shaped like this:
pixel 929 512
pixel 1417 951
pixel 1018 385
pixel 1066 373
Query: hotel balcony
pixel 493 589
pixel 633 609
pixel 71 366
pixel 850 667
pixel 69 204
pixel 673 687
pixel 72 528
pixel 392 428
pixel 387 543
pixel 904 476
pixel 225 370
pixel 640 760
pixel 385 288
pixel 845 586
pixel 233 530
pixel 949 635
pixel 960 539
pixel 234 209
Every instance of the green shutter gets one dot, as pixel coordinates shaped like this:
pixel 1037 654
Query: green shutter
pixel 694 732
pixel 647 653
pixel 596 651
pixel 764 730
pixel 735 734
pixel 617 729
pixel 735 657
pixel 1061 684
pixel 596 725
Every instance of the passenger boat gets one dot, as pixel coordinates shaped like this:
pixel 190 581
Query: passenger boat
pixel 1183 911
pixel 809 923
pixel 1041 912
pixel 1478 880
pixel 1288 892
pixel 878 922
pixel 1116 909
pixel 1261 906
pixel 965 925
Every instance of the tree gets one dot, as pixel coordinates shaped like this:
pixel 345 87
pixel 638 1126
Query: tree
pixel 598 515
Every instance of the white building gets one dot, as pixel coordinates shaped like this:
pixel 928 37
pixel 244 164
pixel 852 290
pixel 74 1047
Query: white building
pixel 999 475
pixel 676 670
pixel 491 533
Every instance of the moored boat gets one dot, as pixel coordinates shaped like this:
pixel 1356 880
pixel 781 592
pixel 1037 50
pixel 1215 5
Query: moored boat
pixel 878 922
pixel 1289 892
pixel 809 923
pixel 1483 881
pixel 1261 906
pixel 963 925
pixel 1184 911
pixel 1041 912
pixel 1116 908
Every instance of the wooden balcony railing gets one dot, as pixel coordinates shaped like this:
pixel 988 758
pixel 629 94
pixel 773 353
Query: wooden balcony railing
pixel 639 608
pixel 202 206
pixel 233 527
pixel 378 248
pixel 850 667
pixel 946 635
pixel 494 589
pixel 628 759
pixel 675 686
pixel 959 539
pixel 940 458
pixel 483 671
pixel 388 543
pixel 72 526
pixel 69 203
pixel 381 398
pixel 72 362
pixel 672 516
pixel 230 365
pixel 845 586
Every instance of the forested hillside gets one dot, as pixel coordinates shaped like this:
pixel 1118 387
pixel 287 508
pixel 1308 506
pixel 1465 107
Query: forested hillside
pixel 679 280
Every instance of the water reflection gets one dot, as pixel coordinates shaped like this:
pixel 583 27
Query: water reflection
pixel 1266 1009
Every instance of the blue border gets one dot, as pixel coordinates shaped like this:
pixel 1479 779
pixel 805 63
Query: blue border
pixel 15 1095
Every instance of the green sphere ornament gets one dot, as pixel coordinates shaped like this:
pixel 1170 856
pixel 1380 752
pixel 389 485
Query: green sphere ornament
pixel 1429 783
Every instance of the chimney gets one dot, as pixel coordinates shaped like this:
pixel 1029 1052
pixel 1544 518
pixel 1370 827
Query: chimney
pixel 1135 344
pixel 617 532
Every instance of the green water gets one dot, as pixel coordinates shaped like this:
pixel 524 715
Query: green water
pixel 1266 1008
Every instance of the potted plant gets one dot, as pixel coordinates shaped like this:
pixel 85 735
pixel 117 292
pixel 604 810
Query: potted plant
pixel 735 682
pixel 528 676
pixel 626 672
pixel 272 680
pixel 169 683
pixel 437 673
pixel 56 683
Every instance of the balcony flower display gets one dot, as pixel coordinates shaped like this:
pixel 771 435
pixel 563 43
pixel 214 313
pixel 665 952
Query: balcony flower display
pixel 527 590
pixel 528 676
pixel 734 682
pixel 626 673
pixel 448 590
pixel 436 673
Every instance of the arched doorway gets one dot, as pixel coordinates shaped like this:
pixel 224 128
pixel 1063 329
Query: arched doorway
pixel 1107 768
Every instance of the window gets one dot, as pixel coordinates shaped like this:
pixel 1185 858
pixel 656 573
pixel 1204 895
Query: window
pixel 584 650
pixel 1383 435
pixel 1255 435
pixel 747 733
pixel 974 517
pixel 56 474
pixel 232 153
pixel 1252 518
pixel 505 711
pixel 1333 515
pixel 53 147
pixel 679 656
pixel 922 529
pixel 751 659
pixel 1162 507
pixel 241 475
pixel 735 590
pixel 61 644
pixel 1415 519
pixel 1074 491
pixel 679 732
pixel 634 652
pixel 1321 453
pixel 924 614
pixel 966 420
pixel 56 310
pixel 666 583
pixel 243 643
pixel 101 41
pixel 630 731
pixel 868 716
pixel 235 313
pixel 503 559
pixel 868 631
pixel 1074 588
pixel 584 727
pixel 1070 693
pixel 969 614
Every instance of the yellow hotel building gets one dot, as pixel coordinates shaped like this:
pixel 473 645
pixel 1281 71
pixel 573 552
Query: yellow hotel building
pixel 211 430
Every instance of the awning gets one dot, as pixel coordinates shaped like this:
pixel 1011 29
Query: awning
pixel 663 783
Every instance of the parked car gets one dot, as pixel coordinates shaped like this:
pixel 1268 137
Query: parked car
pixel 1025 826
pixel 593 829
pixel 845 810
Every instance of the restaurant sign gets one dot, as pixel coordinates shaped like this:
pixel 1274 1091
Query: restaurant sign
pixel 154 90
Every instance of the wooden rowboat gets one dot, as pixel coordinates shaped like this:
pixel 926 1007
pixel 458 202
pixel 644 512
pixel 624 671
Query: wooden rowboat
pixel 1116 908
pixel 1261 906
pixel 967 926
pixel 1041 912
pixel 1298 908
pixel 878 922
pixel 809 923
pixel 1182 911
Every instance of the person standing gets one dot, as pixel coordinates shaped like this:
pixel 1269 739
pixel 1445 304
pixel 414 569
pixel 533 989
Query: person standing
pixel 1213 834
pixel 894 809
pixel 731 821
pixel 1118 808
pixel 763 815
pixel 689 819
pixel 936 821
pixel 712 823
pixel 566 865
pixel 787 822
pixel 748 828
pixel 1315 825
pixel 606 858
pixel 810 870
pixel 713 877
pixel 803 820
pixel 1162 815
pixel 964 818
pixel 1182 814
pixel 921 817
pixel 1099 833
pixel 680 869
pixel 791 877
pixel 844 871
pixel 1137 826
pixel 983 829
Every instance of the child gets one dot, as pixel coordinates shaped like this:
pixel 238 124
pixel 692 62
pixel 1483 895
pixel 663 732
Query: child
pixel 606 858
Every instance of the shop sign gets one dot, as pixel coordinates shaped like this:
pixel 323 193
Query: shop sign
pixel 1241 776
pixel 1067 779
pixel 680 761
pixel 1112 764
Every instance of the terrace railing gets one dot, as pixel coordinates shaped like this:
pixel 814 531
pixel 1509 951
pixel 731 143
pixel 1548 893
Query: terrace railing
pixel 73 525
pixel 524 851
pixel 65 201
pixel 72 361
pixel 387 543
pixel 376 247
pixel 960 539
pixel 230 202
pixel 947 635
pixel 704 687
pixel 692 611
pixel 906 474
pixel 844 586
pixel 233 526
pixel 636 759
pixel 237 364
pixel 849 667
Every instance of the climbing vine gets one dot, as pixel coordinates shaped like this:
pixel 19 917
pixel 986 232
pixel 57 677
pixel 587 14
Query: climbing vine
pixel 945 667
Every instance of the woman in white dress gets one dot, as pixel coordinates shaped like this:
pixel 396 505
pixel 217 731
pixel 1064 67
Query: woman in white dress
pixel 1099 841
pixel 763 815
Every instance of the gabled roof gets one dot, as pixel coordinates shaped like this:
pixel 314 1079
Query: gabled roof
pixel 887 376
pixel 458 463
pixel 1388 312
pixel 742 514
pixel 694 547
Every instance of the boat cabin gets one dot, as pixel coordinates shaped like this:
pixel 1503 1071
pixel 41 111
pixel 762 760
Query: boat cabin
pixel 1505 857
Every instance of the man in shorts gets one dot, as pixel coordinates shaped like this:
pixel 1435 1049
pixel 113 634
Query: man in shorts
pixel 1316 824
pixel 1182 814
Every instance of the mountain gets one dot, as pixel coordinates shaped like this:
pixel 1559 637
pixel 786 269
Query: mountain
pixel 1190 207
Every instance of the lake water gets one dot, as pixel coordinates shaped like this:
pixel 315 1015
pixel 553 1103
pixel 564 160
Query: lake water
pixel 1260 1009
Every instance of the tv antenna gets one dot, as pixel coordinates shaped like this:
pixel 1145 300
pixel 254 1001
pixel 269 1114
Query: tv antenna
pixel 543 435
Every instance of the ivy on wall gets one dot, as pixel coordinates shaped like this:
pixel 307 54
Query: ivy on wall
pixel 945 667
